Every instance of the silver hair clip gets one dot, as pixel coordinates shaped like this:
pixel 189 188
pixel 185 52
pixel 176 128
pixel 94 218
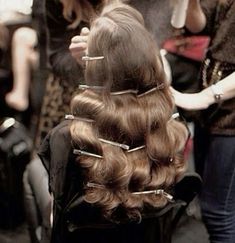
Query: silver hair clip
pixel 128 91
pixel 87 58
pixel 84 87
pixel 91 184
pixel 72 117
pixel 81 152
pixel 175 115
pixel 161 86
pixel 157 192
pixel 123 146
pixel 135 149
pixel 8 123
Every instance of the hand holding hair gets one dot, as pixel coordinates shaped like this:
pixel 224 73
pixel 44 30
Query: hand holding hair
pixel 78 45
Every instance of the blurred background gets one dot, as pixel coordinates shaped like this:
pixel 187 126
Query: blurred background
pixel 22 83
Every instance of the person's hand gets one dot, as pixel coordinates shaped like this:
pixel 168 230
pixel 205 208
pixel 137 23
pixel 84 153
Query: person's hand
pixel 78 45
pixel 195 101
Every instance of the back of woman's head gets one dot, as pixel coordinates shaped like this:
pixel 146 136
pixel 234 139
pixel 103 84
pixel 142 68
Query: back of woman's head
pixel 127 140
pixel 131 57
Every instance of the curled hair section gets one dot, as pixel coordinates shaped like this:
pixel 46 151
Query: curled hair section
pixel 139 145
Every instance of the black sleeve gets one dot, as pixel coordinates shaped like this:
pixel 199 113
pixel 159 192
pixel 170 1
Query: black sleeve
pixel 55 153
pixel 44 152
pixel 59 37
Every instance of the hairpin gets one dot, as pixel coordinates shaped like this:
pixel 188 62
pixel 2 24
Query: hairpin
pixel 175 115
pixel 91 184
pixel 84 86
pixel 128 91
pixel 123 146
pixel 135 149
pixel 81 152
pixel 8 123
pixel 72 117
pixel 157 192
pixel 161 86
pixel 87 58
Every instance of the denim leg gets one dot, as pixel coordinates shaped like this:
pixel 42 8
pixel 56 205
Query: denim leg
pixel 218 194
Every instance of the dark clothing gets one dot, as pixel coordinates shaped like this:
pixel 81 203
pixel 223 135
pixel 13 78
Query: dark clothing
pixel 219 118
pixel 56 162
pixel 66 73
pixel 61 61
pixel 65 182
pixel 77 221
pixel 221 29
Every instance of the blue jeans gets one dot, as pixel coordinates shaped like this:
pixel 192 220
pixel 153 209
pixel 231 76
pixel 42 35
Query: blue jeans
pixel 218 194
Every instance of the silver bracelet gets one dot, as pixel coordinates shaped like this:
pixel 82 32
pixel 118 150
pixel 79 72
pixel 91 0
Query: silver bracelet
pixel 217 92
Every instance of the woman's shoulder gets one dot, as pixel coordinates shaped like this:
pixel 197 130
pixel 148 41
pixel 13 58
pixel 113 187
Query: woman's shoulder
pixel 57 144
pixel 62 130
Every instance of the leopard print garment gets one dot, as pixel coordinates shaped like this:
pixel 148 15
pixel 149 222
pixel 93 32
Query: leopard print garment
pixel 56 103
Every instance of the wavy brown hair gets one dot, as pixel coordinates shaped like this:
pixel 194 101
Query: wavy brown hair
pixel 131 61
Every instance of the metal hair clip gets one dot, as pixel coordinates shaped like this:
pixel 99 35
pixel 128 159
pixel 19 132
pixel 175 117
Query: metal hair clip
pixel 84 86
pixel 157 192
pixel 91 184
pixel 161 86
pixel 128 91
pixel 72 117
pixel 123 146
pixel 135 149
pixel 175 115
pixel 87 58
pixel 8 123
pixel 81 152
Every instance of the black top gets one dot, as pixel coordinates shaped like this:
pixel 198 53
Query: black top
pixel 220 118
pixel 78 221
pixel 61 61
pixel 221 28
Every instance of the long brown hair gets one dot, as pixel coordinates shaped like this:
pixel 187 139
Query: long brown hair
pixel 139 118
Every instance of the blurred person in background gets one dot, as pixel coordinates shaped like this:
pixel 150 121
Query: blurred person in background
pixel 4 73
pixel 24 61
pixel 217 120
pixel 65 19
